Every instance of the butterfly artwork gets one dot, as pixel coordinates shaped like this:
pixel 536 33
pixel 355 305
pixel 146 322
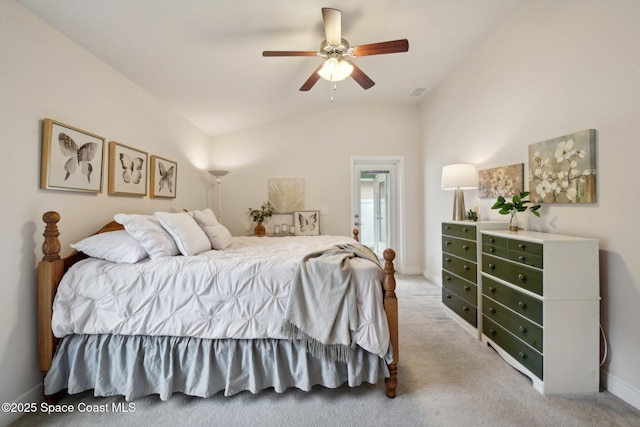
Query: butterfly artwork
pixel 132 172
pixel 127 170
pixel 78 157
pixel 307 223
pixel 163 177
pixel 166 177
pixel 71 159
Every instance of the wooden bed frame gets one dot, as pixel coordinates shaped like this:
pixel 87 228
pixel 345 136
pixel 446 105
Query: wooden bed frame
pixel 52 268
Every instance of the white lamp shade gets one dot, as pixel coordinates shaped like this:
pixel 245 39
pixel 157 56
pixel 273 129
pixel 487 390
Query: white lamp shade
pixel 460 175
pixel 335 70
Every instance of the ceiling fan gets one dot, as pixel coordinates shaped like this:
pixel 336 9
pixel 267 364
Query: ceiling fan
pixel 337 53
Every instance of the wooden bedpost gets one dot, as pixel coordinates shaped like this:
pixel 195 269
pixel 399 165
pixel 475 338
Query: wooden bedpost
pixel 355 234
pixel 391 308
pixel 50 271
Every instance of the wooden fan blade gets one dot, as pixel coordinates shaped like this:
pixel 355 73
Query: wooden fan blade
pixel 360 77
pixel 395 46
pixel 332 25
pixel 288 53
pixel 313 78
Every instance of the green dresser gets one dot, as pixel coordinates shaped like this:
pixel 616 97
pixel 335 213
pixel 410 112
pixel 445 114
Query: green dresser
pixel 540 307
pixel 461 270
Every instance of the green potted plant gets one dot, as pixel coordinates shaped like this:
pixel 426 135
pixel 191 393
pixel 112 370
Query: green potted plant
pixel 259 215
pixel 517 204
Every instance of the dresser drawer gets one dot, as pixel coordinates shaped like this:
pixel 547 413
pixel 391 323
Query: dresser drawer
pixel 519 302
pixel 461 307
pixel 460 247
pixel 526 247
pixel 520 351
pixel 525 258
pixel 494 240
pixel 519 326
pixel 465 290
pixel 466 231
pixel 461 267
pixel 498 251
pixel 520 275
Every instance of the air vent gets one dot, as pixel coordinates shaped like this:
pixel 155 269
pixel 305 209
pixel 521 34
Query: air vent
pixel 419 91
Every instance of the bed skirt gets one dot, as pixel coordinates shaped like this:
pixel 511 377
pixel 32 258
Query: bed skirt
pixel 136 366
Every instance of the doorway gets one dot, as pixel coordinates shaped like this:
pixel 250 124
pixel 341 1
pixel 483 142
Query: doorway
pixel 377 203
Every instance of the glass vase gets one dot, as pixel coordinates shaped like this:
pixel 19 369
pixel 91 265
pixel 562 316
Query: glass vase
pixel 513 220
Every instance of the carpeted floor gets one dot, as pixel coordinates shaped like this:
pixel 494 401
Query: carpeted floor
pixel 446 378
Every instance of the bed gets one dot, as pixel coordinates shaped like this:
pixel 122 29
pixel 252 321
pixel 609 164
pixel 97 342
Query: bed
pixel 97 336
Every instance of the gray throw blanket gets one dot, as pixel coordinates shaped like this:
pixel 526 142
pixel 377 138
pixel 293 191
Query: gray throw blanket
pixel 322 303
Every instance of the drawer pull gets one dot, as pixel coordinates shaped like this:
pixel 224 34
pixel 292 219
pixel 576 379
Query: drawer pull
pixel 521 277
pixel 467 288
pixel 522 355
pixel 447 278
pixel 491 240
pixel 492 267
pixel 520 245
pixel 465 229
pixel 521 258
pixel 446 242
pixel 492 331
pixel 465 247
pixel 522 329
pixel 491 249
pixel 522 305
pixel 447 296
pixel 492 289
pixel 492 310
pixel 465 308
pixel 447 259
pixel 466 267
pixel 448 227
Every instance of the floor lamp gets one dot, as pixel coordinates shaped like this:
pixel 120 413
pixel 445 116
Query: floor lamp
pixel 219 174
pixel 459 177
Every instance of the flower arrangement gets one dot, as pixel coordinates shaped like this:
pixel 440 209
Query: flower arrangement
pixel 262 213
pixel 517 204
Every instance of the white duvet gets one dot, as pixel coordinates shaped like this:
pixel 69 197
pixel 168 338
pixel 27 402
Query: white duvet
pixel 240 292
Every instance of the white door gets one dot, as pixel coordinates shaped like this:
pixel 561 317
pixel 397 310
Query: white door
pixel 381 208
pixel 377 203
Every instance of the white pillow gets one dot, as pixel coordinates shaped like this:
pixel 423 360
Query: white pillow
pixel 114 246
pixel 218 235
pixel 146 229
pixel 205 217
pixel 187 234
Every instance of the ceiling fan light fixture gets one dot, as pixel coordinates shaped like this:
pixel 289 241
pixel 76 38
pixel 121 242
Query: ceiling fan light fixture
pixel 335 69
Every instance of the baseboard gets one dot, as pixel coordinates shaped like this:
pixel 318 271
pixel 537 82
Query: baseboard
pixel 411 271
pixel 35 395
pixel 432 277
pixel 620 389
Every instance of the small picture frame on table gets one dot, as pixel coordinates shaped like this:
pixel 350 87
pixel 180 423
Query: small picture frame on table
pixel 306 223
pixel 164 178
pixel 127 170
pixel 72 159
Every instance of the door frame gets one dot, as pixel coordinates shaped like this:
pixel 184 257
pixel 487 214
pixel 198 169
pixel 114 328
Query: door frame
pixel 395 166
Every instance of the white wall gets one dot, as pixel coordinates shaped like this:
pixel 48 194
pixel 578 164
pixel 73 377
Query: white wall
pixel 554 68
pixel 318 148
pixel 44 75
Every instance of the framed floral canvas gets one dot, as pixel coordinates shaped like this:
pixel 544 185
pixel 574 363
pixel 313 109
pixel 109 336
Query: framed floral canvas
pixel 563 169
pixel 503 181
pixel 72 159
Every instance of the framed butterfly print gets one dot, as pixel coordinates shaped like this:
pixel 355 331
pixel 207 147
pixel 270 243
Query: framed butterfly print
pixel 164 174
pixel 306 223
pixel 127 170
pixel 72 159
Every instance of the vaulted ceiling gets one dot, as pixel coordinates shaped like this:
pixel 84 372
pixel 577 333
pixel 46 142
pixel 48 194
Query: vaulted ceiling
pixel 203 58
